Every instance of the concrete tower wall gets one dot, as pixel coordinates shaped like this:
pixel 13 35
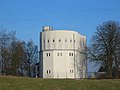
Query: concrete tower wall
pixel 62 54
pixel 60 39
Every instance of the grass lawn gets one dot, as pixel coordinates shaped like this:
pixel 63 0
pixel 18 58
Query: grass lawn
pixel 19 83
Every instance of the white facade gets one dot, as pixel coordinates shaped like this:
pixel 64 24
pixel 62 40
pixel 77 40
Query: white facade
pixel 62 54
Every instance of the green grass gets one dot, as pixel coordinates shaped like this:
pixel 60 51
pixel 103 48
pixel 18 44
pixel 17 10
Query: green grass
pixel 17 83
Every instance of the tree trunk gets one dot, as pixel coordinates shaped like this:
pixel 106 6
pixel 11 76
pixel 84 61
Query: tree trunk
pixel 29 69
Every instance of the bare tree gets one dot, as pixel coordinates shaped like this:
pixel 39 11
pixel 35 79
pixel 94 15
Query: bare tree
pixel 116 69
pixel 17 56
pixel 32 55
pixel 4 49
pixel 104 46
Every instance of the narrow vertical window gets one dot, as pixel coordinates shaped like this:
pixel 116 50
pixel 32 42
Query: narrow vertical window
pixel 60 54
pixel 46 54
pixel 72 71
pixel 49 54
pixel 53 40
pixel 74 41
pixel 48 41
pixel 59 40
pixel 69 54
pixel 47 72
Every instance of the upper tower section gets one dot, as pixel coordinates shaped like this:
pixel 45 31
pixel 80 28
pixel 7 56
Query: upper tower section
pixel 61 39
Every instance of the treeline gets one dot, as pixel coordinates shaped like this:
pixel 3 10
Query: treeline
pixel 17 57
pixel 105 48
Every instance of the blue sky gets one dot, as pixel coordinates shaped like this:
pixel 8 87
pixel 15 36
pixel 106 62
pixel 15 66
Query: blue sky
pixel 27 17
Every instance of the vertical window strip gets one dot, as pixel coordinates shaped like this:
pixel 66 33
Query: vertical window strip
pixel 47 71
pixel 69 54
pixel 57 54
pixel 46 54
pixel 61 54
pixel 72 54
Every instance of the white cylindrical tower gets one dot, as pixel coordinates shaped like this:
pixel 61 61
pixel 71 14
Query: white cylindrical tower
pixel 62 54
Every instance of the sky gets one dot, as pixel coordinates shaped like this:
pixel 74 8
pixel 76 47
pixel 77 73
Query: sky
pixel 27 17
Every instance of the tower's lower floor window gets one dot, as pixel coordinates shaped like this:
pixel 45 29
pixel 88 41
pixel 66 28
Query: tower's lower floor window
pixel 71 71
pixel 48 71
pixel 70 54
